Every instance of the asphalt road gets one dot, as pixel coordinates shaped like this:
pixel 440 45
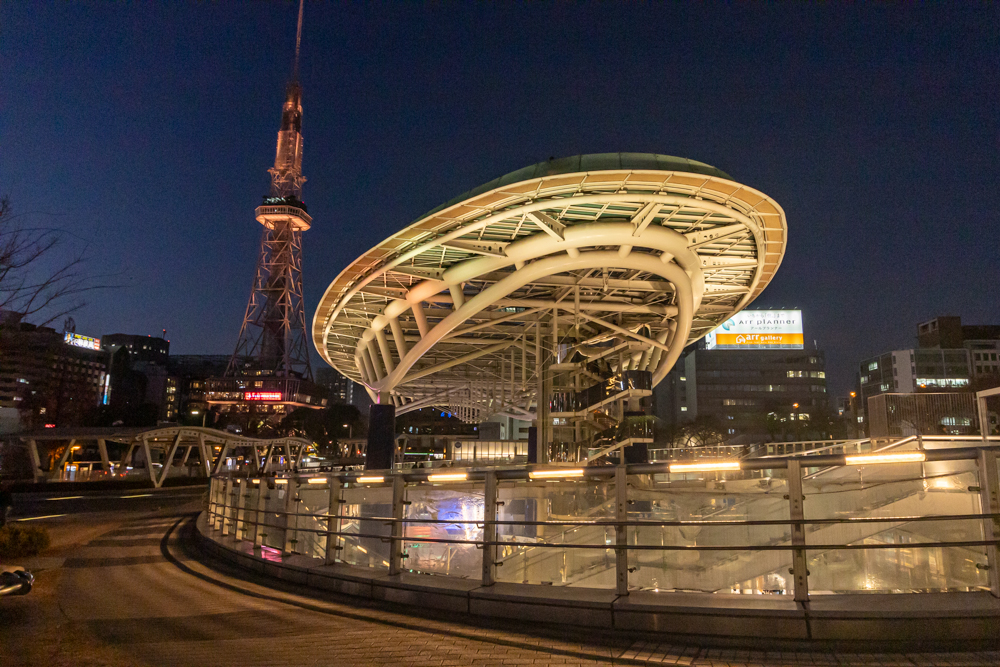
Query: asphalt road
pixel 123 585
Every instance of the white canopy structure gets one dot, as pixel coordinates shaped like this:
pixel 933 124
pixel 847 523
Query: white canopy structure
pixel 470 306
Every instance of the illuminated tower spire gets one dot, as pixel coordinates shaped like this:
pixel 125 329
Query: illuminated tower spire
pixel 273 340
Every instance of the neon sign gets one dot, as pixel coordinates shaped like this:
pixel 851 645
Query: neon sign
pixel 262 396
pixel 77 340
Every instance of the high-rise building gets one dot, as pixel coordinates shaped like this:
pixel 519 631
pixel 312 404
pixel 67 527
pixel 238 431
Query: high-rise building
pixel 50 377
pixel 340 389
pixel 751 377
pixel 146 349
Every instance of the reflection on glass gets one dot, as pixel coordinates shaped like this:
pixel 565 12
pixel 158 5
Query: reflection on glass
pixel 459 509
pixel 579 500
pixel 898 490
pixel 367 507
pixel 731 496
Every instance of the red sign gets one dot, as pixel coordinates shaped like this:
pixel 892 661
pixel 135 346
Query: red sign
pixel 262 396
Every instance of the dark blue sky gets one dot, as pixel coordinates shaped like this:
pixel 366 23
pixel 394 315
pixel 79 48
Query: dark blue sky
pixel 146 129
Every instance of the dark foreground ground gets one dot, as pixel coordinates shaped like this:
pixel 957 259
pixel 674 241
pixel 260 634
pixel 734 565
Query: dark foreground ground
pixel 123 585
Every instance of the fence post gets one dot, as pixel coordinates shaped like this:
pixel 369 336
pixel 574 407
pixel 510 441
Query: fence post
pixel 490 528
pixel 989 495
pixel 227 506
pixel 291 514
pixel 334 543
pixel 213 491
pixel 263 491
pixel 796 512
pixel 241 491
pixel 396 529
pixel 621 532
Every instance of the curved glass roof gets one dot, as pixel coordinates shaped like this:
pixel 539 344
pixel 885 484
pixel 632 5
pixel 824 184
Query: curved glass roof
pixel 590 162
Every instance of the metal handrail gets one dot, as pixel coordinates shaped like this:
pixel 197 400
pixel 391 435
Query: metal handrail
pixel 232 510
pixel 640 522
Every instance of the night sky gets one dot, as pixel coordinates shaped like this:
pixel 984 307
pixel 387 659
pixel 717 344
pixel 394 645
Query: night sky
pixel 146 131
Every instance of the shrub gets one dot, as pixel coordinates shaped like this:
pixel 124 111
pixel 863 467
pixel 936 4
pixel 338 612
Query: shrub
pixel 17 540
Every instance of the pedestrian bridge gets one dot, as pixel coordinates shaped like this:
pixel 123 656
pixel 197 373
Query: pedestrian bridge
pixel 103 454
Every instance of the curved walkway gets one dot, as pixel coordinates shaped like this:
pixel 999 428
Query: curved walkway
pixel 134 591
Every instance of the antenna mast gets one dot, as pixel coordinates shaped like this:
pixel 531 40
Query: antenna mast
pixel 298 43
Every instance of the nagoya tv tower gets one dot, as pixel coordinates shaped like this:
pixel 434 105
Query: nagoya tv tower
pixel 273 340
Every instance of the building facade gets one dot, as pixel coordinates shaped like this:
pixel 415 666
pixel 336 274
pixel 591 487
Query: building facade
pixel 981 341
pixel 759 392
pixel 50 377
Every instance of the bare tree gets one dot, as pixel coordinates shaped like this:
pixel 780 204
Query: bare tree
pixel 35 278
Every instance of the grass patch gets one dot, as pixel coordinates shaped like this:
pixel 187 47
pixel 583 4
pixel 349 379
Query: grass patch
pixel 18 540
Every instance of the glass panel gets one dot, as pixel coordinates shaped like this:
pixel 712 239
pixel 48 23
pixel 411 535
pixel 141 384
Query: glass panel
pixel 581 500
pixel 361 503
pixel 451 502
pixel 273 520
pixel 250 515
pixel 895 490
pixel 313 505
pixel 707 497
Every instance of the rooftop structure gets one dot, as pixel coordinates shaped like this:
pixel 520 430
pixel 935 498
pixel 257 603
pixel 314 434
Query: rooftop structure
pixel 549 279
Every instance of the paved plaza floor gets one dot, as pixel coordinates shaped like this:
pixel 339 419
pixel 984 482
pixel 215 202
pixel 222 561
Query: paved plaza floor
pixel 132 591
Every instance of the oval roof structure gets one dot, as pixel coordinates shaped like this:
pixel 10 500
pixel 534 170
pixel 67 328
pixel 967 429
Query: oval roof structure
pixel 641 251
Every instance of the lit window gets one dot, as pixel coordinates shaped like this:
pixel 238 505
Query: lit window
pixel 684 408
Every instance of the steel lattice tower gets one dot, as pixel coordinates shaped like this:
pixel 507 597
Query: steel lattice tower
pixel 273 340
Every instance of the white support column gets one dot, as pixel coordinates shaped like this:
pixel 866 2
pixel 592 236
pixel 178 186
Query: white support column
pixel 149 462
pixel 219 462
pixel 457 296
pixel 56 472
pixel 168 461
pixel 126 459
pixel 383 346
pixel 374 357
pixel 420 318
pixel 366 362
pixel 397 337
pixel 269 450
pixel 36 461
pixel 102 449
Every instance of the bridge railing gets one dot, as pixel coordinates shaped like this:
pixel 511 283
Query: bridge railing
pixel 909 520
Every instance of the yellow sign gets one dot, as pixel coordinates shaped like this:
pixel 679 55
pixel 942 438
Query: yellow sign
pixel 755 340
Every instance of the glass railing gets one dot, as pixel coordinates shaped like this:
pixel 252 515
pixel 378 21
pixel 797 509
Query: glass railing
pixel 892 526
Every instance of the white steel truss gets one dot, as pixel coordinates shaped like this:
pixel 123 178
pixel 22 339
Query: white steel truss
pixel 466 307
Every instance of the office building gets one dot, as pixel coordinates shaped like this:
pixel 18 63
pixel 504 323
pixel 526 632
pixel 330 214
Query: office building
pixel 49 377
pixel 751 377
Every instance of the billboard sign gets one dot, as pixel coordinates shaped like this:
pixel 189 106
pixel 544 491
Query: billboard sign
pixel 262 396
pixel 758 330
pixel 76 340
